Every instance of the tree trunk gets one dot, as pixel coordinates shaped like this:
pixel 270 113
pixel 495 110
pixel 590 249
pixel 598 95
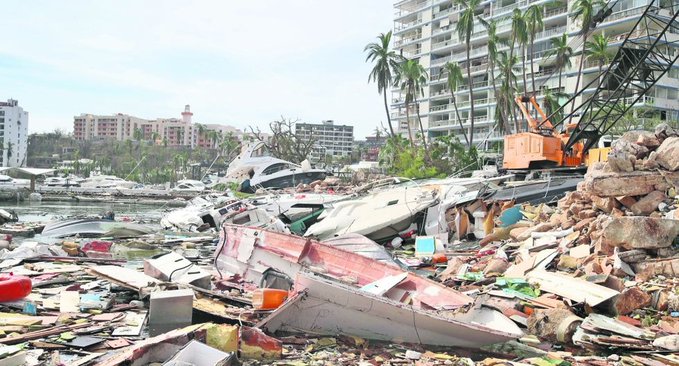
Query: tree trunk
pixel 459 120
pixel 424 138
pixel 523 69
pixel 577 81
pixel 386 109
pixel 532 71
pixel 410 133
pixel 491 72
pixel 560 76
pixel 471 96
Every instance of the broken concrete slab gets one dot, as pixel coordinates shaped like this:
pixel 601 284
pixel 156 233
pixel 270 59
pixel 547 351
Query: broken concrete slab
pixel 640 232
pixel 649 203
pixel 629 300
pixel 668 154
pixel 653 267
pixel 571 288
pixel 638 183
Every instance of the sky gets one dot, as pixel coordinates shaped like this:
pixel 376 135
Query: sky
pixel 240 63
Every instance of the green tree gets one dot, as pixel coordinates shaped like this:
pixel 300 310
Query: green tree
pixel 137 134
pixel 412 78
pixel 386 63
pixel 562 52
pixel 494 41
pixel 584 11
pixel 597 50
pixel 455 78
pixel 519 35
pixel 506 65
pixel 465 29
pixel 534 23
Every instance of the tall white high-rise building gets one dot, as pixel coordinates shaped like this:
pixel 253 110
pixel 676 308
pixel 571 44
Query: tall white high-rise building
pixel 426 30
pixel 13 134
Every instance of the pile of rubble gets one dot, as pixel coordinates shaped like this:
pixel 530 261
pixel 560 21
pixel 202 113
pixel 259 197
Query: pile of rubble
pixel 598 271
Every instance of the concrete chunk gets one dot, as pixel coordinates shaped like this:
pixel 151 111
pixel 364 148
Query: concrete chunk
pixel 668 154
pixel 648 204
pixel 639 232
pixel 638 183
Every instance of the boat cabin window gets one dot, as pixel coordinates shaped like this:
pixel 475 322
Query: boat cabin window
pixel 275 168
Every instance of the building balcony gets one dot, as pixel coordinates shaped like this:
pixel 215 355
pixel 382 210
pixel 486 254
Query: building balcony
pixel 443 124
pixel 401 28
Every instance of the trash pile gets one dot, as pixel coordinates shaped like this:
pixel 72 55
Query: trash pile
pixel 453 271
pixel 598 271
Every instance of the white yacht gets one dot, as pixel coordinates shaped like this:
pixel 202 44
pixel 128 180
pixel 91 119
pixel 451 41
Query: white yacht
pixel 270 172
pixel 107 181
pixel 7 181
pixel 189 185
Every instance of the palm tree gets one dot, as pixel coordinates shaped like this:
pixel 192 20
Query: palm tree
pixel 534 23
pixel 465 28
pixel 494 41
pixel 563 53
pixel 597 50
pixel 550 104
pixel 520 36
pixel 412 78
pixel 584 10
pixel 155 136
pixel 455 78
pixel 137 134
pixel 506 65
pixel 386 63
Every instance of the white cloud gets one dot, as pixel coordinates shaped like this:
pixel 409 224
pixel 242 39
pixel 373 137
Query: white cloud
pixel 239 62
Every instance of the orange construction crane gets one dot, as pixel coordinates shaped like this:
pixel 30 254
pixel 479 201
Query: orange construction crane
pixel 637 66
pixel 541 146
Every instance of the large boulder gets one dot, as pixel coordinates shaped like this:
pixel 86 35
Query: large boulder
pixel 668 154
pixel 640 232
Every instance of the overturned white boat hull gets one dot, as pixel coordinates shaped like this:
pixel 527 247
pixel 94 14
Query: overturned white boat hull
pixel 326 307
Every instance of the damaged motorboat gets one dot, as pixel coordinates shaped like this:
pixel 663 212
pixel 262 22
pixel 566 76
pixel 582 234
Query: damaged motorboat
pixel 210 212
pixel 270 172
pixel 380 215
pixel 370 294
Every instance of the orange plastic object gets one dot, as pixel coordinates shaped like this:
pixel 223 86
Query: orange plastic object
pixel 14 288
pixel 439 258
pixel 268 298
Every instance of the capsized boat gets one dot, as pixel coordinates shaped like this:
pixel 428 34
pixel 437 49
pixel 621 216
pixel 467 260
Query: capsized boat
pixel 253 253
pixel 270 172
pixel 379 216
pixel 94 228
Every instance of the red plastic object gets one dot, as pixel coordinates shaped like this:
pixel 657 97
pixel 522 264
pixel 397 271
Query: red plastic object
pixel 97 246
pixel 14 288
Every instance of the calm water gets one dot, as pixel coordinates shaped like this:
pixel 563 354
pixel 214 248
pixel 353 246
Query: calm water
pixel 48 211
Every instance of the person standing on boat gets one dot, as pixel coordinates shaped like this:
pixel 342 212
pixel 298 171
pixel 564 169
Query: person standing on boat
pixel 245 186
